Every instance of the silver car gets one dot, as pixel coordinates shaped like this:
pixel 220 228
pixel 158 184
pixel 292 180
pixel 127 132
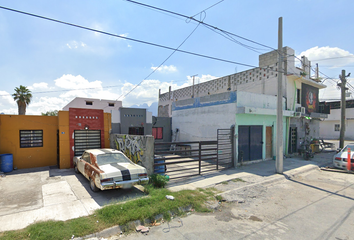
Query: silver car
pixel 340 159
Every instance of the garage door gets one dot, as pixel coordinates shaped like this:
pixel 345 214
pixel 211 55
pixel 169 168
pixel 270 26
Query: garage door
pixel 86 139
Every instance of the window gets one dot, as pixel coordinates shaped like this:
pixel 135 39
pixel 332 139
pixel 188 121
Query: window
pixel 31 138
pixel 157 132
pixel 86 157
pixel 110 104
pixel 298 96
pixel 136 130
pixel 89 102
pixel 337 127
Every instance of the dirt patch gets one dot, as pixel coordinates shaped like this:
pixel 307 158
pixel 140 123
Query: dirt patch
pixel 256 219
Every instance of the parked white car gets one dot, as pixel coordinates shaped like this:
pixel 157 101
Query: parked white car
pixel 109 169
pixel 340 159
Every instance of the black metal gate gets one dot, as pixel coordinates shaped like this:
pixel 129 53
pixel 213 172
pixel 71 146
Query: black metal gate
pixel 186 159
pixel 86 139
pixel 293 140
pixel 225 156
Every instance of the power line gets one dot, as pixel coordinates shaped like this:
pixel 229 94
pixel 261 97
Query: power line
pixel 160 64
pixel 127 38
pixel 201 22
pixel 208 8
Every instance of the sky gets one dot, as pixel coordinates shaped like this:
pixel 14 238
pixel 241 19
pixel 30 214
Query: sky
pixel 59 62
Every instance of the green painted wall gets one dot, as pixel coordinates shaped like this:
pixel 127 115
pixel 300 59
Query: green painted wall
pixel 265 121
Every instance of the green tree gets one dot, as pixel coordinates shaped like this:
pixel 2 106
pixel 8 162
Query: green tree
pixel 50 113
pixel 23 97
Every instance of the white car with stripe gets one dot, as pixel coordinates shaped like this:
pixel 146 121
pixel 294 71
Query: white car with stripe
pixel 109 169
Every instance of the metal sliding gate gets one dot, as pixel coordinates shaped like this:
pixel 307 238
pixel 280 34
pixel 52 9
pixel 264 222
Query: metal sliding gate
pixel 225 148
pixel 86 139
pixel 186 159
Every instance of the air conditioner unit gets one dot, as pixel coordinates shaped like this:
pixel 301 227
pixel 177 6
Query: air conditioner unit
pixel 301 110
pixel 297 114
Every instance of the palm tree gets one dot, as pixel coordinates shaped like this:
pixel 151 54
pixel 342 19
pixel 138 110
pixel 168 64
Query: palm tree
pixel 23 97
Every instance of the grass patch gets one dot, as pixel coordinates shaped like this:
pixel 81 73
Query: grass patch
pixel 218 197
pixel 225 182
pixel 238 180
pixel 117 214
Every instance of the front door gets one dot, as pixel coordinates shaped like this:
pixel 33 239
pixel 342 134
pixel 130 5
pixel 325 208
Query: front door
pixel 269 142
pixel 250 142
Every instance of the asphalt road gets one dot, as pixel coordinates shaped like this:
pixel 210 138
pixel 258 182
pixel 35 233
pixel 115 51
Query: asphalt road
pixel 315 205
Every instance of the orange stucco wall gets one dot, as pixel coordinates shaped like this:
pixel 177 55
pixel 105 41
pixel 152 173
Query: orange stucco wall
pixel 10 126
pixel 107 129
pixel 64 139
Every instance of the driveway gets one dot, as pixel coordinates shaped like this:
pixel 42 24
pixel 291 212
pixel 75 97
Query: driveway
pixel 49 193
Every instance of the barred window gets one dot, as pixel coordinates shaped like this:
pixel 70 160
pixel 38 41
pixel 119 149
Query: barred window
pixel 31 138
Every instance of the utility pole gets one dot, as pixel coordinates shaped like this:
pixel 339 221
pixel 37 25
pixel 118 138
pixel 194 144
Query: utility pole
pixel 342 106
pixel 279 137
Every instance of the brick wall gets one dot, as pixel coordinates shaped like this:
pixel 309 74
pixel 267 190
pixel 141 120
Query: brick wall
pixel 81 118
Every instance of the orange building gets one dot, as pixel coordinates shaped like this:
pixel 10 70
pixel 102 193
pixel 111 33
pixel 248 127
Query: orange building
pixel 38 141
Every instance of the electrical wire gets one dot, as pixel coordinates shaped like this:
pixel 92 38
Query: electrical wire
pixel 228 35
pixel 201 22
pixel 208 8
pixel 127 38
pixel 124 95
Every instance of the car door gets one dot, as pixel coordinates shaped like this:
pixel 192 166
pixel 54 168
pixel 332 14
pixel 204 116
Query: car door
pixel 84 160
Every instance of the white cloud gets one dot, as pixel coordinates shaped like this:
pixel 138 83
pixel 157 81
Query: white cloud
pixel 75 45
pixel 197 79
pixel 124 35
pixel 7 103
pixel 41 86
pixel 68 86
pixel 165 69
pixel 333 56
pixel 332 92
pixel 99 27
pixel 147 92
pixel 68 81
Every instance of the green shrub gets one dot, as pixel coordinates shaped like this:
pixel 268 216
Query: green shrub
pixel 158 181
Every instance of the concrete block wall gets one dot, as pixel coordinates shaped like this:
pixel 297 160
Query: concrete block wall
pixel 260 80
pixel 138 148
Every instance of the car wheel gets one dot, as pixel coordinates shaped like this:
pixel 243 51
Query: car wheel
pixel 76 169
pixel 93 185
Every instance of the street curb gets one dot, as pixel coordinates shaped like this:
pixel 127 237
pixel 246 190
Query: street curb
pixel 286 175
pixel 119 229
pixel 104 233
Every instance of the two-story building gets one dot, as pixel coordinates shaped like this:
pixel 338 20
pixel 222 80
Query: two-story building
pixel 248 101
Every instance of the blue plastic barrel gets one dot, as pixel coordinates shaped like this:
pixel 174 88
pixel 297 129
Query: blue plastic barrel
pixel 159 169
pixel 6 162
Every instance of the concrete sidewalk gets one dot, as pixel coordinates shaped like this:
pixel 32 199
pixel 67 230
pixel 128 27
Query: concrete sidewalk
pixel 254 173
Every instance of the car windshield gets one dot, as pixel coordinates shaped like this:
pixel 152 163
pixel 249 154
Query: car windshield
pixel 109 158
pixel 348 146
